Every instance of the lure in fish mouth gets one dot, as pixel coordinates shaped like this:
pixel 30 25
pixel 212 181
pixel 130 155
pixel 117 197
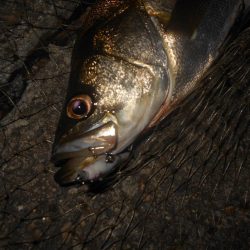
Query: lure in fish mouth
pixel 124 78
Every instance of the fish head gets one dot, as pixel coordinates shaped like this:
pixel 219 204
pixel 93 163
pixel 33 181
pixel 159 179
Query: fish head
pixel 115 89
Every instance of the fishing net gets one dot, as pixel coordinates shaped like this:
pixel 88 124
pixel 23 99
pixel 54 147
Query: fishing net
pixel 186 185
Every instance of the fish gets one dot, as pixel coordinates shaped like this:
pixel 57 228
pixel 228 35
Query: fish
pixel 132 63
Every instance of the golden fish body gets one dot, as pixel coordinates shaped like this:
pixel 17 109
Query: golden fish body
pixel 133 61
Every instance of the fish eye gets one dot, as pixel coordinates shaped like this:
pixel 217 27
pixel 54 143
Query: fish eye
pixel 79 107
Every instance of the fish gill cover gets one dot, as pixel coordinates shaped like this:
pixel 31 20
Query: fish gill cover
pixel 186 185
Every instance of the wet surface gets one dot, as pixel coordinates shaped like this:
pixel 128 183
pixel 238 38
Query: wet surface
pixel 186 187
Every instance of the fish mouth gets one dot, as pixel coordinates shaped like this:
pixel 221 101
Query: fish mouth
pixel 83 157
pixel 101 139
pixel 89 169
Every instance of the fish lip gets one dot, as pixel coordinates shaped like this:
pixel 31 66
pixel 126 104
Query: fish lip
pixel 70 174
pixel 100 139
pixel 95 168
pixel 80 178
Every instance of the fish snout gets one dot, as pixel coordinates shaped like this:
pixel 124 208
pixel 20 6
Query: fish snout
pixel 84 156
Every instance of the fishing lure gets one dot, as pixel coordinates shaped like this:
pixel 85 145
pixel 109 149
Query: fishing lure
pixel 132 63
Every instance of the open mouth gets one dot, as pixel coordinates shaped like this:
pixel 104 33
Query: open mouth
pixel 84 155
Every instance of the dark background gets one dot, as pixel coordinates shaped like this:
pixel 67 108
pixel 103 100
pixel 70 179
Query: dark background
pixel 187 184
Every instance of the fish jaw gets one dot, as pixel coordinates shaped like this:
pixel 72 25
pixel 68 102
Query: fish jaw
pixel 87 169
pixel 89 150
pixel 98 140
